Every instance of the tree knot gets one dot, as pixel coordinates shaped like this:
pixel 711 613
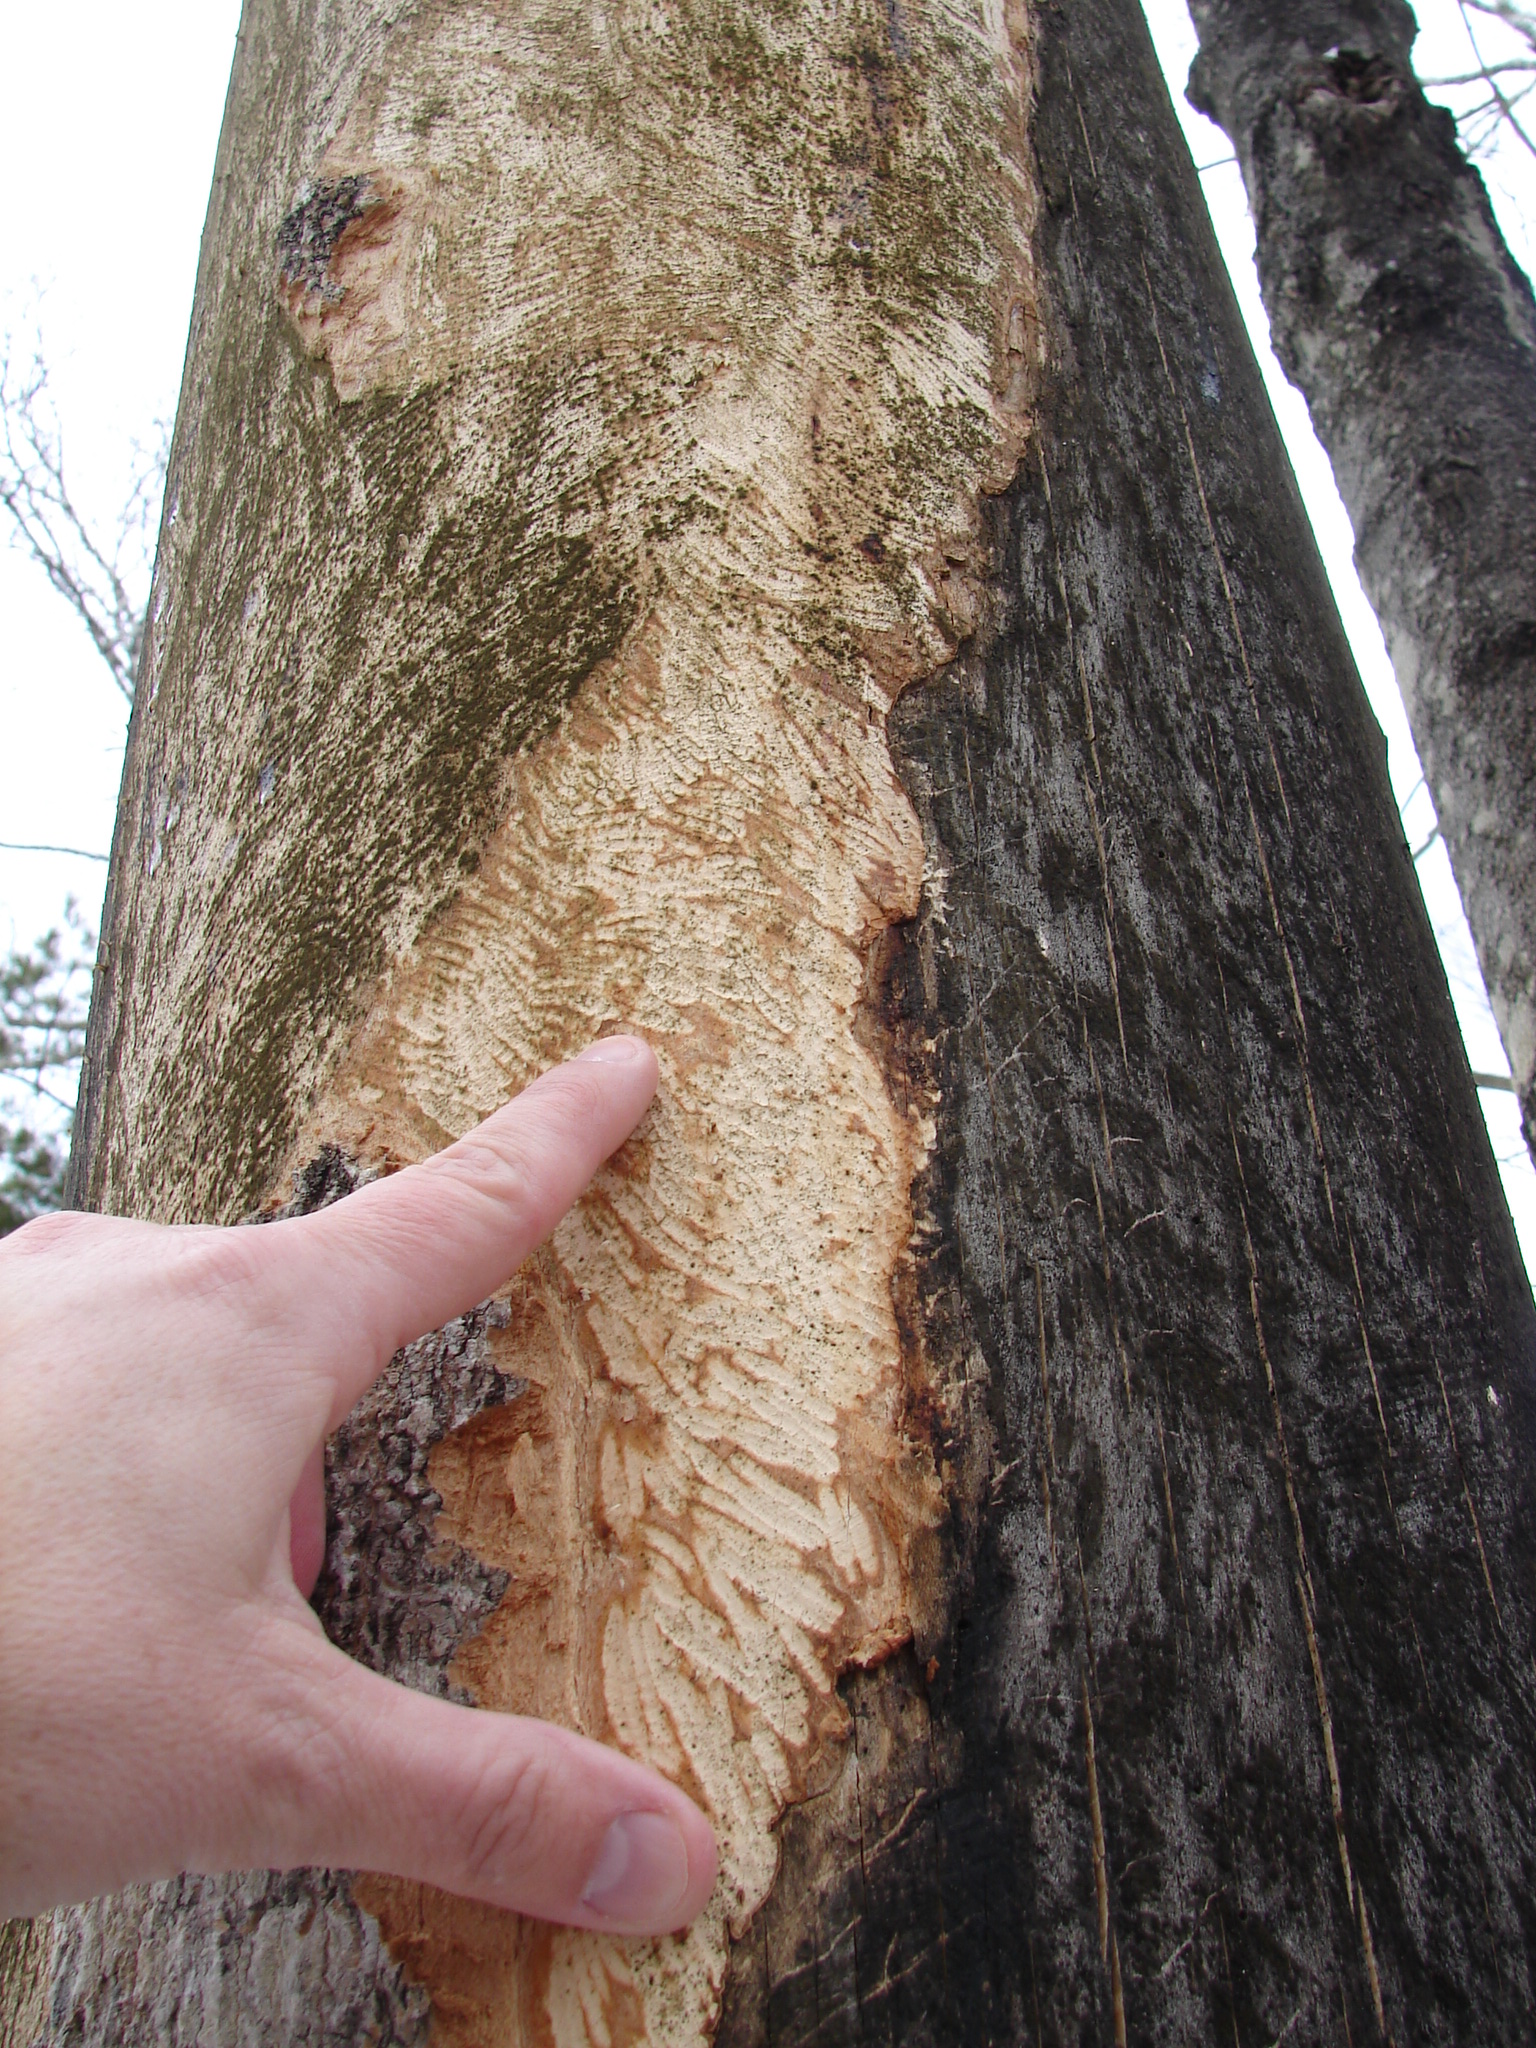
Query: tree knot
pixel 307 238
pixel 1356 77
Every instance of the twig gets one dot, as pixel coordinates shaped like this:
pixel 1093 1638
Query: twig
pixel 1527 28
pixel 25 846
pixel 93 577
pixel 1487 72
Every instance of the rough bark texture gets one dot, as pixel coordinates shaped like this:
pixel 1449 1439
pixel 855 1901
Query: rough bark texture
pixel 1066 1244
pixel 281 1957
pixel 1399 312
pixel 24 1973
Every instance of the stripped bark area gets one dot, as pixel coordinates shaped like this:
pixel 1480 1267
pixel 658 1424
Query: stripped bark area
pixel 1397 309
pixel 705 1503
pixel 1031 1429
pixel 739 312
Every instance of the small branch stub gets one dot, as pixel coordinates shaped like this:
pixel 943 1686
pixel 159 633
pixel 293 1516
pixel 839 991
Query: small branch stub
pixel 309 235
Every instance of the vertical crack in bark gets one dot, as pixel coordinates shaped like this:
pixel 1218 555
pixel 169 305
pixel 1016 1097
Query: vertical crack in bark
pixel 1307 1598
pixel 1353 1891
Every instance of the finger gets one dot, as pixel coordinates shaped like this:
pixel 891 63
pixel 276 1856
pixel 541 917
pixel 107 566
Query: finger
pixel 405 1254
pixel 306 1523
pixel 516 1812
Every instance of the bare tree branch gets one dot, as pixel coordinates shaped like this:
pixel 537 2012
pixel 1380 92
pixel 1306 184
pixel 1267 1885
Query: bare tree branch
pixel 1521 19
pixel 1524 64
pixel 1480 124
pixel 36 846
pixel 44 1004
pixel 103 581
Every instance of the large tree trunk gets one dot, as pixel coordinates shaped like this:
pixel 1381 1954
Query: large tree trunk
pixel 1397 309
pixel 765 526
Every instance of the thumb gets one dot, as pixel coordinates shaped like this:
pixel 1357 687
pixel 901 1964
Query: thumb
pixel 497 1807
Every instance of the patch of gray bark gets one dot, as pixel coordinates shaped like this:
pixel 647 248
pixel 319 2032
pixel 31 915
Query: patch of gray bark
pixel 391 1594
pixel 208 1959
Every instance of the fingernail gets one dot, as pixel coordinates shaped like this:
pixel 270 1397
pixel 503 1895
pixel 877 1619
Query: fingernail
pixel 616 1050
pixel 641 1872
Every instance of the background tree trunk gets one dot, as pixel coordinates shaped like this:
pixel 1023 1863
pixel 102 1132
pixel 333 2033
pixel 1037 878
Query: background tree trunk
pixel 780 540
pixel 1397 309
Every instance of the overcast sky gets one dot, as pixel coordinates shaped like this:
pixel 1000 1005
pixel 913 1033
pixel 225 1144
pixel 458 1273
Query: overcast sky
pixel 112 120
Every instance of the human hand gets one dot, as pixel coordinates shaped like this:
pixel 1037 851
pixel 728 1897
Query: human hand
pixel 168 1701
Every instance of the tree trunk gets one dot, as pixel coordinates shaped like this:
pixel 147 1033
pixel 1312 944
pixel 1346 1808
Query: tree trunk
pixel 1410 329
pixel 765 526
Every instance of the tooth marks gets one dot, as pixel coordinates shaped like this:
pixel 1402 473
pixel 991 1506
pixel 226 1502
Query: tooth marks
pixel 704 1503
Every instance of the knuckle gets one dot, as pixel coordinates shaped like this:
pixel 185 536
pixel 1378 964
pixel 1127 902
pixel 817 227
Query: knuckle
pixel 587 1090
pixel 492 1169
pixel 224 1269
pixel 505 1819
pixel 63 1231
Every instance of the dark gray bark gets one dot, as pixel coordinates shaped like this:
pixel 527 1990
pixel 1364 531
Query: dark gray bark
pixel 1399 312
pixel 1217 1725
pixel 1221 820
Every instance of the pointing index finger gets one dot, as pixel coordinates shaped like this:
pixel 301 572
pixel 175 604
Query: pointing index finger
pixel 404 1255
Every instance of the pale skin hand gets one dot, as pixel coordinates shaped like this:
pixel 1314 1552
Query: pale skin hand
pixel 167 1699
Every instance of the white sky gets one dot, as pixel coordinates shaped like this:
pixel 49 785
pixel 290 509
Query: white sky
pixel 110 129
pixel 106 149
